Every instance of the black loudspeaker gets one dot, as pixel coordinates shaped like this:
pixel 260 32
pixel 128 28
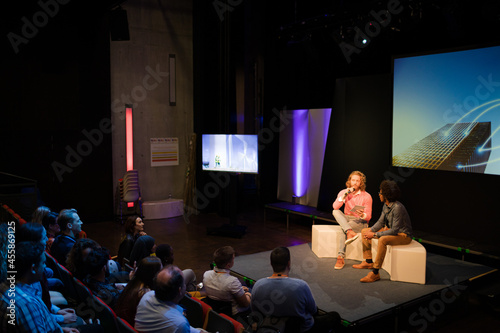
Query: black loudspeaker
pixel 118 25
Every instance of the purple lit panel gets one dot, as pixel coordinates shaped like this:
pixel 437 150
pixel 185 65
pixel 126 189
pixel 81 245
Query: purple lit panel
pixel 300 152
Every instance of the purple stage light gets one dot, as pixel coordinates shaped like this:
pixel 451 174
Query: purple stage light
pixel 300 165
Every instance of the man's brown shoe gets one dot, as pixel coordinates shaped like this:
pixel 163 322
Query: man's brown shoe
pixel 363 265
pixel 340 263
pixel 371 277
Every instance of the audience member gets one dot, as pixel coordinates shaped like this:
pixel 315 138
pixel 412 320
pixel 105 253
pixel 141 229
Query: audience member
pixel 42 212
pixel 140 283
pixel 31 314
pixel 70 225
pixel 268 295
pixel 392 228
pixel 220 285
pixel 357 212
pixel 75 260
pixel 166 253
pixel 158 310
pixel 39 214
pixel 144 246
pixel 49 222
pixel 34 232
pixel 134 228
pixel 97 279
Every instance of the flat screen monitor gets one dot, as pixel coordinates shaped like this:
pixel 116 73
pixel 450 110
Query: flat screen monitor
pixel 446 109
pixel 230 153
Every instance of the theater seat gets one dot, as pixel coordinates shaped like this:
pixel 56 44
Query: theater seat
pixel 196 311
pixel 216 322
pixel 124 326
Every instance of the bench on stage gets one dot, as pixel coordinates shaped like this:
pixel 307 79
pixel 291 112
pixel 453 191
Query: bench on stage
pixel 406 263
pixel 301 210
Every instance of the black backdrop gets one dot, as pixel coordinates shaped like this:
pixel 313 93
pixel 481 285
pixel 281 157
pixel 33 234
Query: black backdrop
pixel 54 88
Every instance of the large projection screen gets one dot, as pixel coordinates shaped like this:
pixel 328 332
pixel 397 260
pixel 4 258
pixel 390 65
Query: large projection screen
pixel 446 110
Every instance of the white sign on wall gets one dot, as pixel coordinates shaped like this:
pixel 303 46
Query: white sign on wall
pixel 164 151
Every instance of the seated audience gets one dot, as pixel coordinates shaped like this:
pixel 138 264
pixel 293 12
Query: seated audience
pixel 70 225
pixel 158 310
pixel 139 284
pixel 75 261
pixel 166 253
pixel 97 279
pixel 42 212
pixel 49 222
pixel 268 295
pixel 220 285
pixel 34 232
pixel 134 228
pixel 31 314
pixel 144 246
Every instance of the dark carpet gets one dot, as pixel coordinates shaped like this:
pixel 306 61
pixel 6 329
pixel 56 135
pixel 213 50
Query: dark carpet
pixel 341 291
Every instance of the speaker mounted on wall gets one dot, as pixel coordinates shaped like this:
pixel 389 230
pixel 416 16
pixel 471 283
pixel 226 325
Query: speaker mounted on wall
pixel 118 25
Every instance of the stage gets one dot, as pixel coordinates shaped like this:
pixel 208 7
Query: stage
pixel 358 303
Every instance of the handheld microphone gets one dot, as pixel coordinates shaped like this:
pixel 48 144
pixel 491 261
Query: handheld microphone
pixel 349 190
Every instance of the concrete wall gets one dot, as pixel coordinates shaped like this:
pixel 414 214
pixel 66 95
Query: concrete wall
pixel 157 28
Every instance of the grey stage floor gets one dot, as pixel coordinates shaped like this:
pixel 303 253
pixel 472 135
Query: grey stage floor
pixel 341 291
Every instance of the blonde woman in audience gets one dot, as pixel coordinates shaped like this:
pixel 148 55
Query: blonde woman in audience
pixel 39 214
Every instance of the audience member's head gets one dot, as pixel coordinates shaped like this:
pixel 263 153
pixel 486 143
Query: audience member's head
pixel 39 214
pixel 32 232
pixel 141 283
pixel 69 222
pixel 97 262
pixel 280 258
pixel 169 284
pixel 147 269
pixel 224 256
pixel 390 190
pixel 143 247
pixel 49 222
pixel 30 261
pixel 134 225
pixel 75 261
pixel 166 253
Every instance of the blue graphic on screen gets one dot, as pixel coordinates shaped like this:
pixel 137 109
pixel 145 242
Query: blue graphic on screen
pixel 439 94
pixel 230 153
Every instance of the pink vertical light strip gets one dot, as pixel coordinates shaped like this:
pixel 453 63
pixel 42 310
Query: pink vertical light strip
pixel 129 138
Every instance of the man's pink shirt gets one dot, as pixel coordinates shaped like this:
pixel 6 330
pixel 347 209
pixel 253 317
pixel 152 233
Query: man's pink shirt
pixel 361 198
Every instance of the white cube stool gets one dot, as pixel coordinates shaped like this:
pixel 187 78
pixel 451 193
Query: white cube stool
pixel 406 263
pixel 325 240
